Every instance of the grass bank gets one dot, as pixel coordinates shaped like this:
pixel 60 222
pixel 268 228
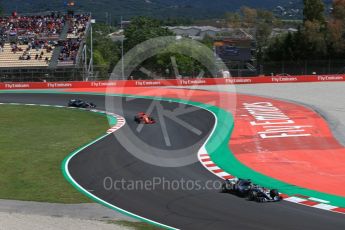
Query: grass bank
pixel 33 143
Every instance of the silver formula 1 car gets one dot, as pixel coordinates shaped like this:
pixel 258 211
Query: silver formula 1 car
pixel 78 103
pixel 240 187
pixel 245 188
pixel 261 194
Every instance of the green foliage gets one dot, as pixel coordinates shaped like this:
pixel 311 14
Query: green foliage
pixel 187 66
pixel 208 41
pixel 177 21
pixel 314 36
pixel 315 39
pixel 106 51
pixel 250 17
pixel 265 16
pixel 262 20
pixel 1 9
pixel 275 48
pixel 263 31
pixel 142 29
pixel 161 65
pixel 233 19
pixel 98 58
pixel 339 9
pixel 161 9
pixel 314 11
pixel 336 30
pixel 302 45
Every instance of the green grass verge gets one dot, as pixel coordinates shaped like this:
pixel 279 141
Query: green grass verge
pixel 33 142
pixel 134 225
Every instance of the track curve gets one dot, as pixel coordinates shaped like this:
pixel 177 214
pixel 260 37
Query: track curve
pixel 207 209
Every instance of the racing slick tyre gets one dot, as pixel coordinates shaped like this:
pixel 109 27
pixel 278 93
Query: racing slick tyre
pixel 261 199
pixel 136 119
pixel 252 195
pixel 224 189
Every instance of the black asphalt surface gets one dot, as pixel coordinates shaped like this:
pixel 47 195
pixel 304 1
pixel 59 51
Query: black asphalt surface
pixel 184 209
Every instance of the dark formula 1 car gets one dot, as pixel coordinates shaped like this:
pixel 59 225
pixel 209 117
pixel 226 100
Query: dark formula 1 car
pixel 237 186
pixel 78 103
pixel 143 118
pixel 261 194
pixel 245 188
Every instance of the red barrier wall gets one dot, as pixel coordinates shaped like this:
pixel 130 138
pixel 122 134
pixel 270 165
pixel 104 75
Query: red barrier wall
pixel 174 82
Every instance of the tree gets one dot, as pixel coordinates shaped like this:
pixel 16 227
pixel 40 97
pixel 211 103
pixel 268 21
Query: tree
pixel 314 11
pixel 208 41
pixel 264 25
pixel 263 32
pixel 106 52
pixel 289 52
pixel 142 29
pixel 265 16
pixel 177 22
pixel 249 15
pixel 1 9
pixel 311 39
pixel 336 29
pixel 315 38
pixel 338 9
pixel 336 36
pixel 300 52
pixel 274 51
pixel 233 20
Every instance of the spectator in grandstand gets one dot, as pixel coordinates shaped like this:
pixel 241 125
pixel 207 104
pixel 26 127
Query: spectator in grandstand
pixel 40 34
pixel 15 48
pixel 78 25
pixel 70 50
pixel 35 25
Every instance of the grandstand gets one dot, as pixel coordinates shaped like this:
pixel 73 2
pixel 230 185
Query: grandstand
pixel 10 59
pixel 42 41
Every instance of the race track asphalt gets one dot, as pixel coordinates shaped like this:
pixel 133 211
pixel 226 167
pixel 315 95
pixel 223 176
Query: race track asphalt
pixel 194 209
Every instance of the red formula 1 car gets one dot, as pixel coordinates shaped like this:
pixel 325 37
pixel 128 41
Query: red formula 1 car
pixel 143 118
